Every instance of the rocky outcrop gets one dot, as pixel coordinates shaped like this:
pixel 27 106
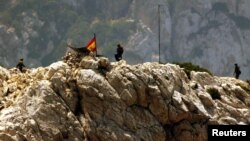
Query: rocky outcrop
pixel 91 99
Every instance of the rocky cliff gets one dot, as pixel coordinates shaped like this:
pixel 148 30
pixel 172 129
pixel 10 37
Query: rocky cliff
pixel 91 99
pixel 211 33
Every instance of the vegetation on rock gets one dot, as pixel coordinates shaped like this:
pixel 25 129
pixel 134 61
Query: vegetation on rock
pixel 188 67
pixel 214 93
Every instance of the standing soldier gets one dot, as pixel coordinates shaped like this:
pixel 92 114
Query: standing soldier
pixel 237 71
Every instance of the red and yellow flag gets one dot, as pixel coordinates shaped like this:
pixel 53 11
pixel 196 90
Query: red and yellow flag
pixel 91 46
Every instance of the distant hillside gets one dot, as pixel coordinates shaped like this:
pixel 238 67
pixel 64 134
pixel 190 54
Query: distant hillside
pixel 213 34
pixel 40 30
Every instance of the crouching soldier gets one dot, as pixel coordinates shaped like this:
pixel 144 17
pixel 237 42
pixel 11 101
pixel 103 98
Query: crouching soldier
pixel 20 65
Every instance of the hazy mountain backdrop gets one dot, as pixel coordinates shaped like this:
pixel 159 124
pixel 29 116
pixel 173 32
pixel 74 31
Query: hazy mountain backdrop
pixel 211 33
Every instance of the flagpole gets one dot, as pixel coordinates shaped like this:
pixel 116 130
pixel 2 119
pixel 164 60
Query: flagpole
pixel 159 32
pixel 95 45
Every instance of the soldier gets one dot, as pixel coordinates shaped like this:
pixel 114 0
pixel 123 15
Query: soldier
pixel 237 71
pixel 20 65
pixel 119 52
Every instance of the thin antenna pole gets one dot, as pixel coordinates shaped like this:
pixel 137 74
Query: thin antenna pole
pixel 159 32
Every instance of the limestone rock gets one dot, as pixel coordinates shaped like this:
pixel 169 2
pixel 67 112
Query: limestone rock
pixel 4 73
pixel 73 100
pixel 104 62
pixel 40 115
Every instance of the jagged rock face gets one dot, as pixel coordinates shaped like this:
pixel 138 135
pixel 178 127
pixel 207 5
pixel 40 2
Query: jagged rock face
pixel 213 34
pixel 75 100
pixel 16 40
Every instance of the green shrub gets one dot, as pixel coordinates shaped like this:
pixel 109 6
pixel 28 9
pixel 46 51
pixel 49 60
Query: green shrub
pixel 188 67
pixel 245 87
pixel 214 93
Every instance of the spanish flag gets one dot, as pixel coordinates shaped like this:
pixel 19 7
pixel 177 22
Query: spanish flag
pixel 91 46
